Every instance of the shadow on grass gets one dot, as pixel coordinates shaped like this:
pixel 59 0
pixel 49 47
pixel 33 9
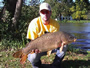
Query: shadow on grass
pixel 71 64
pixel 76 64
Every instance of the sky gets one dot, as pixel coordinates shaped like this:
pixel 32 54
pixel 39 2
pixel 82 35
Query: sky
pixel 1 4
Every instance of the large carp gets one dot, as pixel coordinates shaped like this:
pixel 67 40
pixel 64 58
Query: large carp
pixel 46 42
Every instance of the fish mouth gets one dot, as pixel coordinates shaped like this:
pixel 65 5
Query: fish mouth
pixel 75 40
pixel 70 41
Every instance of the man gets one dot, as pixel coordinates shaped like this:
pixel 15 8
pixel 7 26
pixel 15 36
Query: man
pixel 40 26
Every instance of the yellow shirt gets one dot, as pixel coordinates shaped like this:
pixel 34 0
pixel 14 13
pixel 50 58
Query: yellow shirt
pixel 37 28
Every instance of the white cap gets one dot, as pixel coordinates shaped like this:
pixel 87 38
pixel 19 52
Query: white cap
pixel 45 6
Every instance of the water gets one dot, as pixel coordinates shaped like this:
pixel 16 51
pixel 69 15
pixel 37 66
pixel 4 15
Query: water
pixel 81 31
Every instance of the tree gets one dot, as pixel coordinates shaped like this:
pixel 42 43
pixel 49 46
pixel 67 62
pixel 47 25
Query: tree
pixel 14 18
pixel 17 12
pixel 11 9
pixel 60 7
pixel 79 10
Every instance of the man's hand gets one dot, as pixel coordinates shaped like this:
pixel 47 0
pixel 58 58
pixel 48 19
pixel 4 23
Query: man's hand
pixel 35 51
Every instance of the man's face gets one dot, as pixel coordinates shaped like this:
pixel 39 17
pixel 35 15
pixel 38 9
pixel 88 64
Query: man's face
pixel 45 15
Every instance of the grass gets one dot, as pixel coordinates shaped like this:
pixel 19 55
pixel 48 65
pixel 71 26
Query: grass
pixel 81 21
pixel 75 60
pixel 71 60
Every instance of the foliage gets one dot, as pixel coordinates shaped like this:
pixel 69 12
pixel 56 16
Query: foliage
pixel 4 26
pixel 59 8
pixel 28 13
pixel 79 10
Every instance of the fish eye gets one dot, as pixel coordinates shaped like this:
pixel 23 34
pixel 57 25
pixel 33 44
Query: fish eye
pixel 70 37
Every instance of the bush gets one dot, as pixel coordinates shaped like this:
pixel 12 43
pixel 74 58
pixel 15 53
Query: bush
pixel 15 37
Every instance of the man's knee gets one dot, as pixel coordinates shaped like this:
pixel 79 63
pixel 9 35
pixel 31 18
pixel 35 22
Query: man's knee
pixel 32 57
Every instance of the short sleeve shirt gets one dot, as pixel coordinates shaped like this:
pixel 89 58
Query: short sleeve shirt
pixel 37 28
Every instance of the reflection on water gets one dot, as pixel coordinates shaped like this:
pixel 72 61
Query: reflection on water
pixel 81 31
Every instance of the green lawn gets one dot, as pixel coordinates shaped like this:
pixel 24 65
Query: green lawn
pixel 81 21
pixel 71 60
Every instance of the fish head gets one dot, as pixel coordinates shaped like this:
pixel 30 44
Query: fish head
pixel 68 38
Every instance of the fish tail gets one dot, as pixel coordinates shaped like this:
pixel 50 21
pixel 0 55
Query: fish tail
pixel 23 59
pixel 20 54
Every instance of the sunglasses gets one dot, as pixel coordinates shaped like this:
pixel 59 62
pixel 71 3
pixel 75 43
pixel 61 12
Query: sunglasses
pixel 45 11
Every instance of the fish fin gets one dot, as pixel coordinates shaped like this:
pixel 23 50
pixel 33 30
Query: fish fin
pixel 32 52
pixel 23 59
pixel 18 54
pixel 49 53
pixel 61 48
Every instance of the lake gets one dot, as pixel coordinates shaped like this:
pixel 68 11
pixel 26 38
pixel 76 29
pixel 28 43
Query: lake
pixel 81 32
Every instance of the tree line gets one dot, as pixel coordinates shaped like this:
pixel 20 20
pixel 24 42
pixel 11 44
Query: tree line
pixel 16 15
